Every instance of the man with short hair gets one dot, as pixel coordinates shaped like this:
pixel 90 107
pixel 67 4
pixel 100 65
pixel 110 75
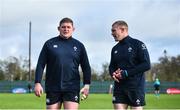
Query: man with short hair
pixel 129 61
pixel 62 56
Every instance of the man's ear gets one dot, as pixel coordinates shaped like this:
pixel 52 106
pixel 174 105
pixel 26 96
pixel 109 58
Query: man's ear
pixel 58 27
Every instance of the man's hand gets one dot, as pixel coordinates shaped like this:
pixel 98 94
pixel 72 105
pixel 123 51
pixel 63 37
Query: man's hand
pixel 117 75
pixel 85 91
pixel 38 90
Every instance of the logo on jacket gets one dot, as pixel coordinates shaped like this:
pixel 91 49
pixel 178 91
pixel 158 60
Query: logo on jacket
pixel 130 49
pixel 47 100
pixel 115 51
pixel 143 46
pixel 55 46
pixel 75 48
pixel 138 102
pixel 114 98
pixel 76 98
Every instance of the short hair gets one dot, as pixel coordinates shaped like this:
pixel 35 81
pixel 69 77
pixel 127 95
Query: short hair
pixel 66 20
pixel 120 23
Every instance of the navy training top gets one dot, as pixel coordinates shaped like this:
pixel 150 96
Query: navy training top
pixel 131 55
pixel 62 58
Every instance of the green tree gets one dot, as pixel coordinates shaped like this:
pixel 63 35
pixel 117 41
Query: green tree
pixel 12 69
pixel 105 73
pixel 1 71
pixel 15 68
pixel 94 75
pixel 2 75
pixel 168 68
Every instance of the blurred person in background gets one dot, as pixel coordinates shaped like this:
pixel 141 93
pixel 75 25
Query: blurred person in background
pixel 157 87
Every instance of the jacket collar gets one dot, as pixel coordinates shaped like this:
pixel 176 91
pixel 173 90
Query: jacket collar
pixel 125 40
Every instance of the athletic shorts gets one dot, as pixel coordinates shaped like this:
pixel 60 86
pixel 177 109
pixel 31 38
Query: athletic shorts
pixel 132 98
pixel 156 87
pixel 54 97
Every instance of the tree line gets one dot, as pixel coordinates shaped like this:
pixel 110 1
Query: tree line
pixel 166 69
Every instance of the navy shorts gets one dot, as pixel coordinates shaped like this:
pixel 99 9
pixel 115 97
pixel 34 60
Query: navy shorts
pixel 156 87
pixel 133 98
pixel 54 97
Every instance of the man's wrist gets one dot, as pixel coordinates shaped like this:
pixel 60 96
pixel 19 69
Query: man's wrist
pixel 124 74
pixel 87 86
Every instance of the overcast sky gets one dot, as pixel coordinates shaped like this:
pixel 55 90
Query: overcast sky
pixel 155 22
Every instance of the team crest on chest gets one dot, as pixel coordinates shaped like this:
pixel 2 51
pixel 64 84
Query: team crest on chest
pixel 75 48
pixel 130 49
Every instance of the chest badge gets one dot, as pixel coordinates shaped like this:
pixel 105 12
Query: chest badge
pixel 75 48
pixel 55 46
pixel 115 52
pixel 130 49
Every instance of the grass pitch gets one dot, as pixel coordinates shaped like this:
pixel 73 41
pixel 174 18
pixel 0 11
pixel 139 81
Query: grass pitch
pixel 94 101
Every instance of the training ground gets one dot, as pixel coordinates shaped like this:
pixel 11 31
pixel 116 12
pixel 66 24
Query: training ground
pixel 94 101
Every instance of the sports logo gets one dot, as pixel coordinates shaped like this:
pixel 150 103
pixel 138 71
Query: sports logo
pixel 143 46
pixel 76 98
pixel 114 98
pixel 55 46
pixel 130 49
pixel 47 101
pixel 138 102
pixel 75 48
pixel 115 52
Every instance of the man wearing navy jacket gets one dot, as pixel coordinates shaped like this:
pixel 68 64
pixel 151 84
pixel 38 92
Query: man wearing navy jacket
pixel 129 61
pixel 62 56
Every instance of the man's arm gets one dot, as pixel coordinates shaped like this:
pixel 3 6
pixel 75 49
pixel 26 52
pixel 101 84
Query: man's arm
pixel 143 62
pixel 42 60
pixel 38 90
pixel 86 69
pixel 111 65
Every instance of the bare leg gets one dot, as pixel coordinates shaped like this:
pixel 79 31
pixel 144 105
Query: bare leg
pixel 55 106
pixel 120 106
pixel 137 108
pixel 68 105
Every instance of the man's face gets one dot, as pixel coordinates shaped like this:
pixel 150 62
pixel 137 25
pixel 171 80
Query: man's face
pixel 117 32
pixel 66 30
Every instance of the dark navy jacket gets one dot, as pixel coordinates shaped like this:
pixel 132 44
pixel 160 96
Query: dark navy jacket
pixel 62 58
pixel 130 55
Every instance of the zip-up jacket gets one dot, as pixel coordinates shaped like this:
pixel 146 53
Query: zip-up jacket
pixel 131 56
pixel 62 58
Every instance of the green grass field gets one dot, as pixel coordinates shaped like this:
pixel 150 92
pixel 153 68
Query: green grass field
pixel 94 101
